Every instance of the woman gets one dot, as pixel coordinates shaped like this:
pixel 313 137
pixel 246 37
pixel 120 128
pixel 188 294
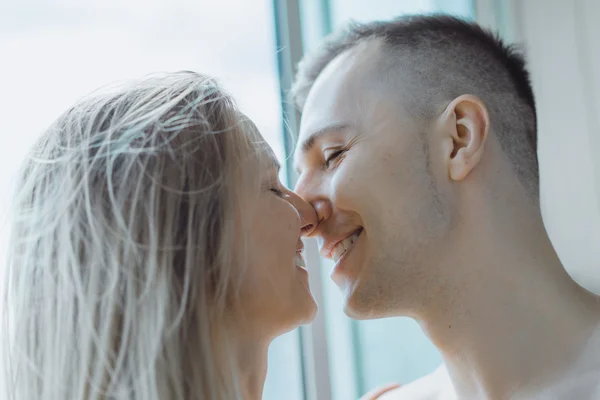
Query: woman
pixel 155 254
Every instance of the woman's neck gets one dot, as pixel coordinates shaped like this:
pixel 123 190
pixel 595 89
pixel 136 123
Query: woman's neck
pixel 252 366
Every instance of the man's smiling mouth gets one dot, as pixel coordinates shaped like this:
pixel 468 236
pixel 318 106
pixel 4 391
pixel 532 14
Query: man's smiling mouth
pixel 345 245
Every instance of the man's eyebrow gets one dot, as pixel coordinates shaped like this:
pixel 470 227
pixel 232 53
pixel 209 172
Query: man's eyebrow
pixel 309 142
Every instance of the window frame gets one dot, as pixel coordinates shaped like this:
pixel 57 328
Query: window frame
pixel 290 49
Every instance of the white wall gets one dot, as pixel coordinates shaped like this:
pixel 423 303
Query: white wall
pixel 562 40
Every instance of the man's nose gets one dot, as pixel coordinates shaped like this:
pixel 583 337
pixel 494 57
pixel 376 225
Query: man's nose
pixel 322 208
pixel 318 201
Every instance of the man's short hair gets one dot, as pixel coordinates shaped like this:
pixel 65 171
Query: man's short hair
pixel 440 58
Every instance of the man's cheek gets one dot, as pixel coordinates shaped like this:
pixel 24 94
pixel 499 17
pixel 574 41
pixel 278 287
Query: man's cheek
pixel 349 185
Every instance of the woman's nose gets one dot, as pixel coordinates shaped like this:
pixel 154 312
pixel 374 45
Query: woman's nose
pixel 308 215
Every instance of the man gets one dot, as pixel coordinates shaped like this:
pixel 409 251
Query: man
pixel 417 149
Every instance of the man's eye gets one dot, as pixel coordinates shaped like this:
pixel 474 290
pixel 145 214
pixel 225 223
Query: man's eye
pixel 332 157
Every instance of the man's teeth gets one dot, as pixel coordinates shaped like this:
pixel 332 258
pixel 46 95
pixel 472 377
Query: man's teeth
pixel 300 261
pixel 344 245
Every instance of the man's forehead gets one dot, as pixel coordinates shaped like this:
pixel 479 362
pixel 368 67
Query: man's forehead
pixel 328 103
pixel 339 96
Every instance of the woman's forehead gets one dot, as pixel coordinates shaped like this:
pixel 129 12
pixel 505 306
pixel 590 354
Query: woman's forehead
pixel 268 159
pixel 265 153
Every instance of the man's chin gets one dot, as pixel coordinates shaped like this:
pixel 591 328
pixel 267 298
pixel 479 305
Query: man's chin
pixel 360 307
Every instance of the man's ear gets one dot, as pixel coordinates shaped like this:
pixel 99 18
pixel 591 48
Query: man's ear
pixel 465 123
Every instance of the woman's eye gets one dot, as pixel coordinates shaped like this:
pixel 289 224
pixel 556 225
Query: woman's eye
pixel 332 157
pixel 277 191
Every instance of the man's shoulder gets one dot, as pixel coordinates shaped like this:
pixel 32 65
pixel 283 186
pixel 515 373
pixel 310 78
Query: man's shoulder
pixel 435 386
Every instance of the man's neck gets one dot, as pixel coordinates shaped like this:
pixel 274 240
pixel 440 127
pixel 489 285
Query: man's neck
pixel 518 320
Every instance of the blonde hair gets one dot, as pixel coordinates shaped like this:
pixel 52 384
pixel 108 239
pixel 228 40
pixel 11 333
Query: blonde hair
pixel 121 267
